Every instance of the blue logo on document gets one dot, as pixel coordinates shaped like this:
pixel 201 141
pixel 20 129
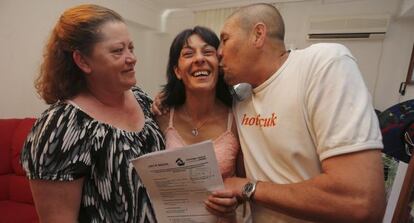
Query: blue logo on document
pixel 179 162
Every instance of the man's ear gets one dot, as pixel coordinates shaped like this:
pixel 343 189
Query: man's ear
pixel 81 62
pixel 177 73
pixel 259 34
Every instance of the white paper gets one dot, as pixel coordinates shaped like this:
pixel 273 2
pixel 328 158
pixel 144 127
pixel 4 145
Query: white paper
pixel 178 182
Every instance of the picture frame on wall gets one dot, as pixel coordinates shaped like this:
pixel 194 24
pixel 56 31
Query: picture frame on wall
pixel 410 73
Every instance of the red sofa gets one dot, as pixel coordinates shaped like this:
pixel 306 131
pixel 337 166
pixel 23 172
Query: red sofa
pixel 16 202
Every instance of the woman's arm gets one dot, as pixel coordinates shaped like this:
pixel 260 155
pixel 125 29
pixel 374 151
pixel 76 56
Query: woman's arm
pixel 57 201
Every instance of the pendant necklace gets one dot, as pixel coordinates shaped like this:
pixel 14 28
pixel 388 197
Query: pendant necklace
pixel 194 130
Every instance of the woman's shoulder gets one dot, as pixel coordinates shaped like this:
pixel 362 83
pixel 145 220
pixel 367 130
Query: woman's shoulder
pixel 61 115
pixel 56 110
pixel 58 136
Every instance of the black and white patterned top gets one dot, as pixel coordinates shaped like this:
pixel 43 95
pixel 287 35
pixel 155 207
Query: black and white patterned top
pixel 66 144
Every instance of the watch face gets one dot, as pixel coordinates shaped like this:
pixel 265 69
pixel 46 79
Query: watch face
pixel 248 187
pixel 248 190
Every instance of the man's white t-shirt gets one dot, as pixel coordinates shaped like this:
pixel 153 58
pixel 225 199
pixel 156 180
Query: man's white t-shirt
pixel 314 107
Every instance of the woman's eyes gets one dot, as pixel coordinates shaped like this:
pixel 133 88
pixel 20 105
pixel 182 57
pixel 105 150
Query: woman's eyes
pixel 118 50
pixel 209 52
pixel 121 50
pixel 204 52
pixel 187 54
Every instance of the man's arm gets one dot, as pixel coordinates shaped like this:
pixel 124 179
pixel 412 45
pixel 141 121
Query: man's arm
pixel 350 189
pixel 57 201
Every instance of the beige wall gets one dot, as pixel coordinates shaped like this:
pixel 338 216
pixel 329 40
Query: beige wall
pixel 25 28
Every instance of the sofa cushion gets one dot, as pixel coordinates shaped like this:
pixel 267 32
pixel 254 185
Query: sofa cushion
pixel 4 187
pixel 19 137
pixel 19 189
pixel 16 202
pixel 17 212
pixel 7 127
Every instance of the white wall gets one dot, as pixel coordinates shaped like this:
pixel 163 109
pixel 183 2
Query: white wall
pixel 152 54
pixel 367 52
pixel 407 8
pixel 25 27
pixel 394 63
pixel 383 63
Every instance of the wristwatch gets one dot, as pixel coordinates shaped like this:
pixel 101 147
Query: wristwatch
pixel 248 190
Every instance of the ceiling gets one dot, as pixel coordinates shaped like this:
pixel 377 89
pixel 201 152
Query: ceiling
pixel 177 3
pixel 407 11
pixel 208 4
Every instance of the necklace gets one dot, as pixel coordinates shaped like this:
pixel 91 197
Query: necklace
pixel 194 130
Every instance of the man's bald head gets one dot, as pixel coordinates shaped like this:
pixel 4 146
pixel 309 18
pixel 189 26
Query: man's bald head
pixel 252 14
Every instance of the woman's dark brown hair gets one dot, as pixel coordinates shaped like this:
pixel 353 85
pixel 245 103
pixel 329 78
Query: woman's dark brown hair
pixel 174 91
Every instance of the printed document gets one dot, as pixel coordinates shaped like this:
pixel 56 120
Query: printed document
pixel 178 181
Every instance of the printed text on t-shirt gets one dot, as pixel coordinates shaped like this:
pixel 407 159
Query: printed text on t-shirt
pixel 259 121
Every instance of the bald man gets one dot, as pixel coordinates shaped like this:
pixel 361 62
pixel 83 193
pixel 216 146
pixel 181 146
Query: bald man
pixel 309 134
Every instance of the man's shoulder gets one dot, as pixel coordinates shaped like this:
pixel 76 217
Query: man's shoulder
pixel 328 49
pixel 320 54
